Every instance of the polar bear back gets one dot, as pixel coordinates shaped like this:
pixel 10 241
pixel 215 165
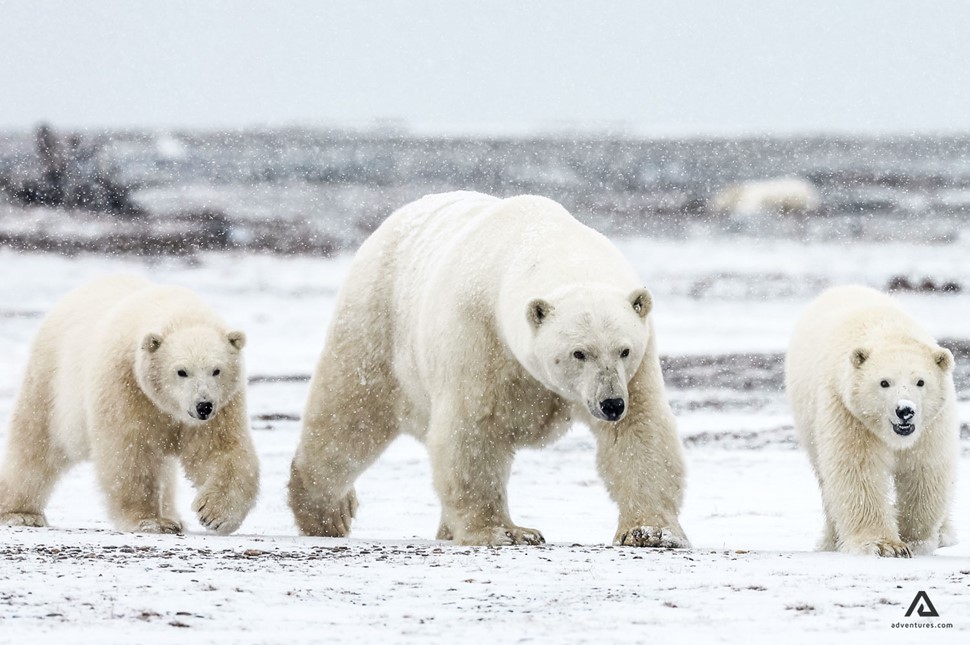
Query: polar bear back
pixel 107 318
pixel 845 318
pixel 479 236
pixel 483 251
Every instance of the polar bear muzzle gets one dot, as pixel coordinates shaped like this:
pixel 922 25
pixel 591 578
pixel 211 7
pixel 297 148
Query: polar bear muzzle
pixel 203 409
pixel 905 412
pixel 612 409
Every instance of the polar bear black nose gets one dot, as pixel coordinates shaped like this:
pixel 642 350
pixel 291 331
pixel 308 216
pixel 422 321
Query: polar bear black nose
pixel 203 409
pixel 905 413
pixel 612 408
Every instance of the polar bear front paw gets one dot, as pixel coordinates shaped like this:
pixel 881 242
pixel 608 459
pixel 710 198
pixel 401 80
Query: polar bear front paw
pixel 324 517
pixel 501 536
pixel 884 547
pixel 652 536
pixel 158 525
pixel 338 518
pixel 218 512
pixel 23 519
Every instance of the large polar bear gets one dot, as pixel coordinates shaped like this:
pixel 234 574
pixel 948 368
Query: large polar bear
pixel 481 325
pixel 134 376
pixel 874 405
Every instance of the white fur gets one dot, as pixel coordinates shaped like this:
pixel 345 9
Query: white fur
pixel 103 383
pixel 855 359
pixel 458 323
pixel 782 194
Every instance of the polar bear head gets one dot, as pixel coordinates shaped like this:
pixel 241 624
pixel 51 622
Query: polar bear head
pixel 192 372
pixel 896 390
pixel 587 343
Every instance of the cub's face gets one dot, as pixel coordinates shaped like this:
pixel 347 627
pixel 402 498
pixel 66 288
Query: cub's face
pixel 192 373
pixel 897 391
pixel 587 347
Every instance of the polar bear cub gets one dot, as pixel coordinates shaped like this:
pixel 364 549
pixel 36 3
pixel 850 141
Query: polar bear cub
pixel 136 377
pixel 875 407
pixel 481 325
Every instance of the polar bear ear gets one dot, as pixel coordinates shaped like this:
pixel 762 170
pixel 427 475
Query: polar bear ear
pixel 642 302
pixel 237 339
pixel 859 356
pixel 537 311
pixel 943 358
pixel 151 342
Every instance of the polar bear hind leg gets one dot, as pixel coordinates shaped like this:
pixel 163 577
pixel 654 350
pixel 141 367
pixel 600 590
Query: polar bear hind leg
pixel 33 461
pixel 349 420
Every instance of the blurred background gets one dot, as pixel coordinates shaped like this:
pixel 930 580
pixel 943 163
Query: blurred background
pixel 296 127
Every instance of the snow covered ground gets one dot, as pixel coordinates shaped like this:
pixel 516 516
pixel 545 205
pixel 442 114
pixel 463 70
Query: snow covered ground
pixel 752 509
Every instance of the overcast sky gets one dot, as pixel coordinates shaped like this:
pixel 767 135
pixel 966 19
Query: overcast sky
pixel 676 67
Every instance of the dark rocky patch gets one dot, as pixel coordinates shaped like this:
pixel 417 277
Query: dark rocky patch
pixel 901 283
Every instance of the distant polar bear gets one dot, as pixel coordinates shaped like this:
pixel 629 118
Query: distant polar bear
pixel 134 376
pixel 481 325
pixel 873 399
pixel 779 195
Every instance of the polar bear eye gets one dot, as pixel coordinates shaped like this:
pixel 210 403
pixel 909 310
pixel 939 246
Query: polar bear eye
pixel 884 383
pixel 182 373
pixel 920 383
pixel 624 353
pixel 216 372
pixel 579 356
